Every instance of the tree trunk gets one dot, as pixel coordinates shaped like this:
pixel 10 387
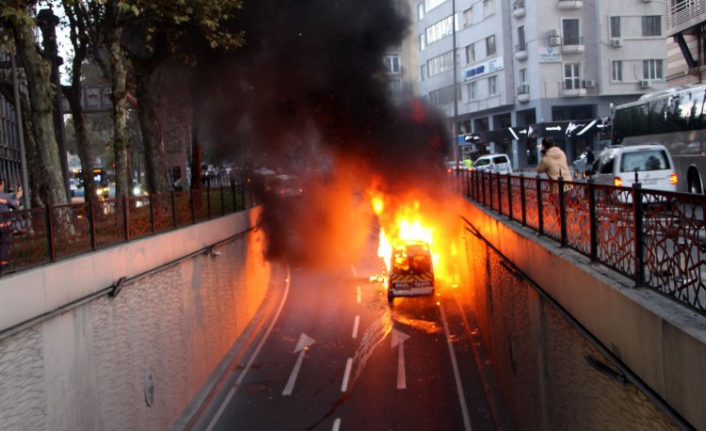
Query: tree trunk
pixel 121 143
pixel 155 157
pixel 196 153
pixel 38 72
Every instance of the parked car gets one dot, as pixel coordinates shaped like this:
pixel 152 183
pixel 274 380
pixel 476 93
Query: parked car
pixel 494 163
pixel 284 185
pixel 650 163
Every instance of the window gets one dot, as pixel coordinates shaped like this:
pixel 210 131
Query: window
pixel 431 4
pixel 439 30
pixel 394 86
pixel 571 32
pixel 616 70
pixel 652 69
pixel 472 90
pixel 490 45
pixel 615 26
pixel 392 63
pixel 423 72
pixel 493 85
pixel 422 42
pixel 652 25
pixel 470 53
pixel 420 11
pixel 572 76
pixel 521 45
pixel 468 17
pixel 523 76
pixel 440 64
pixel 488 7
pixel 443 96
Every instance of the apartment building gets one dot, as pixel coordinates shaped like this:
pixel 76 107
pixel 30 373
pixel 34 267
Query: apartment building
pixel 687 51
pixel 524 70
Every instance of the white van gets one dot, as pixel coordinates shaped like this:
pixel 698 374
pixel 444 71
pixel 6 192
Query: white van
pixel 494 163
pixel 618 166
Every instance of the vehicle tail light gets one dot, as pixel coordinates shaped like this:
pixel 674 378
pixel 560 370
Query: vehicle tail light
pixel 673 178
pixel 617 181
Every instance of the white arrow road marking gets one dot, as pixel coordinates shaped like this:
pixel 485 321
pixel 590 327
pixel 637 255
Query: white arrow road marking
pixel 355 273
pixel 357 295
pixel 302 346
pixel 399 338
pixel 336 424
pixel 356 322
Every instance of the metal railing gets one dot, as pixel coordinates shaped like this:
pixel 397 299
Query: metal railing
pixel 660 243
pixel 43 235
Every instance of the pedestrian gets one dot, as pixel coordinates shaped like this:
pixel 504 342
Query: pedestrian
pixel 8 202
pixel 553 161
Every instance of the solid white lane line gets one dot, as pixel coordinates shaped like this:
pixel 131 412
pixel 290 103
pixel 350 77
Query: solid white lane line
pixel 336 424
pixel 356 322
pixel 358 294
pixel 355 273
pixel 457 375
pixel 347 375
pixel 222 408
pixel 401 379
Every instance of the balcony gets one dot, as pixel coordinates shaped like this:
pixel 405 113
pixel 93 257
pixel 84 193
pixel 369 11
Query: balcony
pixel 572 87
pixel 518 9
pixel 570 4
pixel 572 45
pixel 523 93
pixel 682 15
pixel 521 51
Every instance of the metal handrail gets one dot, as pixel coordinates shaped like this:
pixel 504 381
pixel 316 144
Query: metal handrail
pixel 44 235
pixel 659 243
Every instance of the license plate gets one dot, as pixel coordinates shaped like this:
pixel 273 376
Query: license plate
pixel 422 283
pixel 400 285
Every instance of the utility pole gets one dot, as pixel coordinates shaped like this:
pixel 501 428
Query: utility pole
pixel 454 125
pixel 47 22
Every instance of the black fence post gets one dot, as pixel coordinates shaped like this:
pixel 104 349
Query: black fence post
pixel 92 223
pixel 174 210
pixel 540 207
pixel 562 211
pixel 50 232
pixel 592 220
pixel 235 201
pixel 523 204
pixel 152 215
pixel 223 197
pixel 639 243
pixel 509 196
pixel 482 189
pixel 192 203
pixel 500 194
pixel 126 217
pixel 208 196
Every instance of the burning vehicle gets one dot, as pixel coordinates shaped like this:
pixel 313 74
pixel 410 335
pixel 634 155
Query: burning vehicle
pixel 410 271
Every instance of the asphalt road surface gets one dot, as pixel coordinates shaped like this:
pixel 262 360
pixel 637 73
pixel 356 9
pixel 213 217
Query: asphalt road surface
pixel 336 356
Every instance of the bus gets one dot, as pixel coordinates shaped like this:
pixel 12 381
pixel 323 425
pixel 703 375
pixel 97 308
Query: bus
pixel 675 118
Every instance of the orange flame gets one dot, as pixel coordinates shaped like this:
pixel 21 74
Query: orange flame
pixel 419 218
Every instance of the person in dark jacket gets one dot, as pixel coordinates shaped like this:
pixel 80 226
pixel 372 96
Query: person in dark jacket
pixel 8 202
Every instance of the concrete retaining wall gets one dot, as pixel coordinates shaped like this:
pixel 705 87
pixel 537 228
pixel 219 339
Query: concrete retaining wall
pixel 135 361
pixel 661 341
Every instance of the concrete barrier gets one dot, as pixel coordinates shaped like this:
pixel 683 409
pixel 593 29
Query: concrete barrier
pixel 661 341
pixel 74 357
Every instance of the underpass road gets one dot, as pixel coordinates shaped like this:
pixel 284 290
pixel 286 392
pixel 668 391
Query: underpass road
pixel 338 357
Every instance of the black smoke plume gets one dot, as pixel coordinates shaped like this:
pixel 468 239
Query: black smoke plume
pixel 307 95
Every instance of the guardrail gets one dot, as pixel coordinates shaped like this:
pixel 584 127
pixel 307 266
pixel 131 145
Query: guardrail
pixel 660 244
pixel 42 235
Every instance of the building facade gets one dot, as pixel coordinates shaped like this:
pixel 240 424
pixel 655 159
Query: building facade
pixel 524 70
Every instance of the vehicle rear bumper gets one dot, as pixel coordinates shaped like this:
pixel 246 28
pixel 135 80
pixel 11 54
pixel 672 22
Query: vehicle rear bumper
pixel 414 291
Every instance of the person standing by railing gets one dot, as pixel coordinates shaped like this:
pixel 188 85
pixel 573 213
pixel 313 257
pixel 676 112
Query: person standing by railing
pixel 8 202
pixel 553 161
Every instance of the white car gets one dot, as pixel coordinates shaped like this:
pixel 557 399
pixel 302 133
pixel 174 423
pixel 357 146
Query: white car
pixel 493 163
pixel 650 163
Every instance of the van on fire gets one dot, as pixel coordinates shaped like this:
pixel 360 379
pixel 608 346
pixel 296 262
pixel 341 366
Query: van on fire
pixel 411 271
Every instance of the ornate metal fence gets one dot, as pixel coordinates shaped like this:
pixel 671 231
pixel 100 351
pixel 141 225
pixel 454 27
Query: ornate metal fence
pixel 42 235
pixel 659 243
